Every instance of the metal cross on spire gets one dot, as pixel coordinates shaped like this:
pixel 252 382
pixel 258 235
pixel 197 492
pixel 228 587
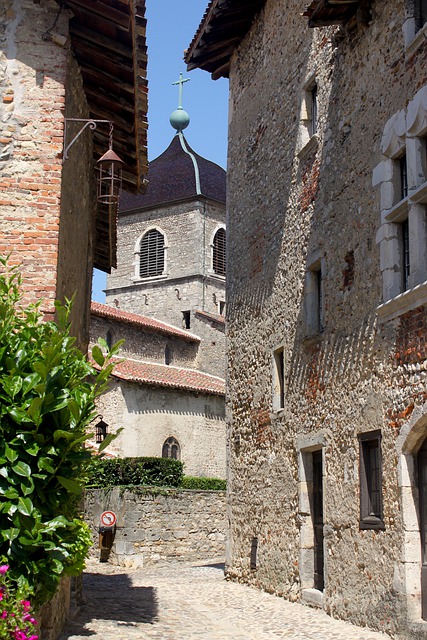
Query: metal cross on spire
pixel 180 82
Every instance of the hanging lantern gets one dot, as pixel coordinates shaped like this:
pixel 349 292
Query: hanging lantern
pixel 110 175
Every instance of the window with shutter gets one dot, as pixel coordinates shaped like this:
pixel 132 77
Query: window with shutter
pixel 152 254
pixel 219 252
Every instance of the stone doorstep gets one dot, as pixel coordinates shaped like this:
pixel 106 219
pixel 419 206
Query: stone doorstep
pixel 312 597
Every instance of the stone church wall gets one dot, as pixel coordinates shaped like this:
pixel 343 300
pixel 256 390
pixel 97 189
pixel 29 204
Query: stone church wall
pixel 358 374
pixel 150 415
pixel 145 345
pixel 188 227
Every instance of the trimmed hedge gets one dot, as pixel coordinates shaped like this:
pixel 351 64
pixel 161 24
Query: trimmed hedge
pixel 158 472
pixel 204 484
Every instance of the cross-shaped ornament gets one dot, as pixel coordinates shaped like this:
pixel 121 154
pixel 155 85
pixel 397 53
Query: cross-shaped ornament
pixel 180 82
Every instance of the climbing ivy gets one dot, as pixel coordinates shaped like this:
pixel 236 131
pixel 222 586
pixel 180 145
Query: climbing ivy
pixel 47 400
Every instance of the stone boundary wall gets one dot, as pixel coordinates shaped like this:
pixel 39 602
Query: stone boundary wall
pixel 155 526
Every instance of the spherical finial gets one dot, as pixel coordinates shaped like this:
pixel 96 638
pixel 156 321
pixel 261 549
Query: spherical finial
pixel 179 119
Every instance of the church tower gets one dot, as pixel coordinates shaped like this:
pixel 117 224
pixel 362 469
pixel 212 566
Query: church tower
pixel 171 253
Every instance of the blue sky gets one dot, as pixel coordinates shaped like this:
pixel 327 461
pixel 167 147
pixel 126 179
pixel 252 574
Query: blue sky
pixel 171 26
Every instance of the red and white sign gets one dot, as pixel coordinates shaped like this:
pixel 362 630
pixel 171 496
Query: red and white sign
pixel 108 519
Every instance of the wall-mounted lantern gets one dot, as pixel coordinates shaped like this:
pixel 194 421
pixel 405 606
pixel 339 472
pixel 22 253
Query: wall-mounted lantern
pixel 109 165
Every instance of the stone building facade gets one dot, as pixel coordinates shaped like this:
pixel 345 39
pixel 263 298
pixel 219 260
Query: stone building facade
pixel 160 397
pixel 326 302
pixel 52 224
pixel 181 278
pixel 166 298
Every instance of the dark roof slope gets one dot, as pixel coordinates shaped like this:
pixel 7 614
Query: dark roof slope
pixel 171 177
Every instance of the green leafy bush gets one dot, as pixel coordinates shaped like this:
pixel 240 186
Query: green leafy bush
pixel 158 472
pixel 203 484
pixel 47 394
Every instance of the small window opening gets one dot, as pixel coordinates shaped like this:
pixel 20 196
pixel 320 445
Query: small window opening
pixel 254 553
pixel 186 319
pixel 171 449
pixel 403 173
pixel 168 354
pixel 314 110
pixel 109 339
pixel 279 379
pixel 406 265
pixel 371 508
pixel 221 307
pixel 420 13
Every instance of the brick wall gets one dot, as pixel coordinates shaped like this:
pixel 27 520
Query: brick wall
pixel 46 220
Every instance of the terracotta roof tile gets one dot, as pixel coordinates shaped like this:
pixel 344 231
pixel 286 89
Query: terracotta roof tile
pixel 167 376
pixel 143 322
pixel 212 317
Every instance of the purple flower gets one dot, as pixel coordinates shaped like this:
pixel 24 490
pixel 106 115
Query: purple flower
pixel 4 568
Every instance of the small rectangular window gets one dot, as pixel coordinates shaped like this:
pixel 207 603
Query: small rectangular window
pixel 403 174
pixel 371 503
pixel 313 100
pixel 254 553
pixel 420 13
pixel 314 299
pixel 186 319
pixel 279 379
pixel 406 265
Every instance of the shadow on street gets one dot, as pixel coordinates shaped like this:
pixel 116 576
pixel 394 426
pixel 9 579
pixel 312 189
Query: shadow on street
pixel 112 598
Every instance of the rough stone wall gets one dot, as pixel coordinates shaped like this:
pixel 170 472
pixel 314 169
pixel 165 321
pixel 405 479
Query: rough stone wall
pixel 357 374
pixel 37 79
pixel 157 527
pixel 145 345
pixel 150 415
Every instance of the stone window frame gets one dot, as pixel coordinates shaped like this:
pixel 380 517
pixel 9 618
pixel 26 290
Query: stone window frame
pixel 314 294
pixel 308 134
pixel 212 250
pixel 404 133
pixel 368 441
pixel 305 446
pixel 278 379
pixel 411 436
pixel 414 33
pixel 168 446
pixel 137 254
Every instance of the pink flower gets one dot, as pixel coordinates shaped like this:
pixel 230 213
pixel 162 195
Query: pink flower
pixel 4 568
pixel 20 635
pixel 26 604
pixel 4 615
pixel 33 638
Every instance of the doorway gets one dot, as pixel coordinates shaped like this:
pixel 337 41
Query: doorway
pixel 422 491
pixel 317 516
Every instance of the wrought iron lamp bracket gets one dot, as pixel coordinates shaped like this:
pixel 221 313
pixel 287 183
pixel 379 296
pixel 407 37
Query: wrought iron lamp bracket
pixel 92 124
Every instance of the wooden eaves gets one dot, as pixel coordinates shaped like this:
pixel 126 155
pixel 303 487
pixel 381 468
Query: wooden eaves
pixel 323 13
pixel 108 39
pixel 223 26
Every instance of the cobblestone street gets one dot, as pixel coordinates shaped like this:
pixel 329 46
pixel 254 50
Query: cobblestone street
pixel 188 602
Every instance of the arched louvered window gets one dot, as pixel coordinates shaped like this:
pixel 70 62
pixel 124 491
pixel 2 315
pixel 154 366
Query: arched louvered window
pixel 171 449
pixel 152 254
pixel 219 252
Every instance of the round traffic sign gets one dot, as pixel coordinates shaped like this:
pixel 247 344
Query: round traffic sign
pixel 108 519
